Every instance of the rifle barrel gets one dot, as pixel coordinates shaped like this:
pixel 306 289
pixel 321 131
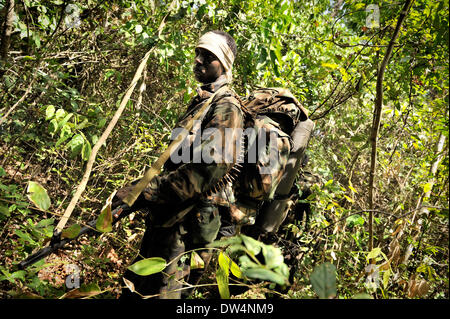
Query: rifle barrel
pixel 59 243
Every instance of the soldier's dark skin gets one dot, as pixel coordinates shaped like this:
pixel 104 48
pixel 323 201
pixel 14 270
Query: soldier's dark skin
pixel 207 68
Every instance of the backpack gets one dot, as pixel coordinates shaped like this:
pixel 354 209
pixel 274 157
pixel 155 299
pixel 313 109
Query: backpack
pixel 270 111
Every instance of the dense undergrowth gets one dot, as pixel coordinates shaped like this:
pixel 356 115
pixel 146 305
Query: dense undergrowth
pixel 68 67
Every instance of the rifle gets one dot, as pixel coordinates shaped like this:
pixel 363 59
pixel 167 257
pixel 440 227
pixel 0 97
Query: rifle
pixel 57 242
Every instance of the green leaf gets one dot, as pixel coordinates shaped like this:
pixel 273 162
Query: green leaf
pixel 354 220
pixel 45 223
pixel 76 145
pixel 224 263
pixel 222 283
pixel 196 261
pixel 71 231
pixel 359 6
pixel 49 112
pixel 323 280
pixel 53 126
pixel 65 120
pixel 66 132
pixel 251 244
pixel 148 266
pixel 330 65
pixel 24 236
pixel 104 221
pixel 235 270
pixel 60 114
pixel 4 211
pixel 344 74
pixel 374 253
pixel 283 270
pixel 427 187
pixel 83 124
pixel 246 262
pixel 101 123
pixel 228 265
pixel 273 256
pixel 349 199
pixel 38 195
pixel 20 274
pixel 86 150
pixel 386 275
pixel 266 274
pixel 6 276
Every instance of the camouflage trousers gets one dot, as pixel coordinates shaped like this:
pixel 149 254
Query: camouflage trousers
pixel 202 225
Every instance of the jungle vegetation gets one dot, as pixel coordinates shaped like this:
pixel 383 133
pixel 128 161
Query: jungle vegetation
pixel 373 75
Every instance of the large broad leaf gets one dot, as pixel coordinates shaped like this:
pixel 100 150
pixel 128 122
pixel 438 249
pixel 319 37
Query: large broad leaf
pixel 222 282
pixel 148 266
pixel 86 150
pixel 104 221
pixel 38 195
pixel 323 280
pixel 224 263
pixel 374 253
pixel 252 245
pixel 66 133
pixel 228 265
pixel 272 256
pixel 354 220
pixel 76 145
pixel 4 211
pixel 196 261
pixel 71 232
pixel 49 112
pixel 266 274
pixel 84 291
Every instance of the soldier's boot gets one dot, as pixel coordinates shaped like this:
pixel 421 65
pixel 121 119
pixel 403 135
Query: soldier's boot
pixel 159 242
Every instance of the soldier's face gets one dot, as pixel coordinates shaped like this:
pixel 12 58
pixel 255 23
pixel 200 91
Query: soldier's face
pixel 207 67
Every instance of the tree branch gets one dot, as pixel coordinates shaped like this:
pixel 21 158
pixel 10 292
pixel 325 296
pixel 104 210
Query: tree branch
pixel 7 29
pixel 377 112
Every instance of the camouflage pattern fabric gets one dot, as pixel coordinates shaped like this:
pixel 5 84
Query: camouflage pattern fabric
pixel 187 180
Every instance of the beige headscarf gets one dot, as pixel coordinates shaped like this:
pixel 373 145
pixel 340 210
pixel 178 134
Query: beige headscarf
pixel 217 44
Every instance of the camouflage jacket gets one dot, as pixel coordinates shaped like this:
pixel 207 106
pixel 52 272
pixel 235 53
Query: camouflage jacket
pixel 233 182
pixel 196 178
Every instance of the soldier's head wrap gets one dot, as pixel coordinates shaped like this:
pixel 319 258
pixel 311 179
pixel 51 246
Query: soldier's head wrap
pixel 217 44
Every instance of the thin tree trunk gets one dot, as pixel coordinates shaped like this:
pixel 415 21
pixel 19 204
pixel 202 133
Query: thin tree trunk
pixel 7 29
pixel 377 114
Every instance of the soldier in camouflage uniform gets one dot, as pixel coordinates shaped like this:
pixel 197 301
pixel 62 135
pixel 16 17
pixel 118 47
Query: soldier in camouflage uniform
pixel 193 203
pixel 183 200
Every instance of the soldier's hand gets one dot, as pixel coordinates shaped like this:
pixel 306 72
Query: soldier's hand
pixel 140 203
pixel 120 196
